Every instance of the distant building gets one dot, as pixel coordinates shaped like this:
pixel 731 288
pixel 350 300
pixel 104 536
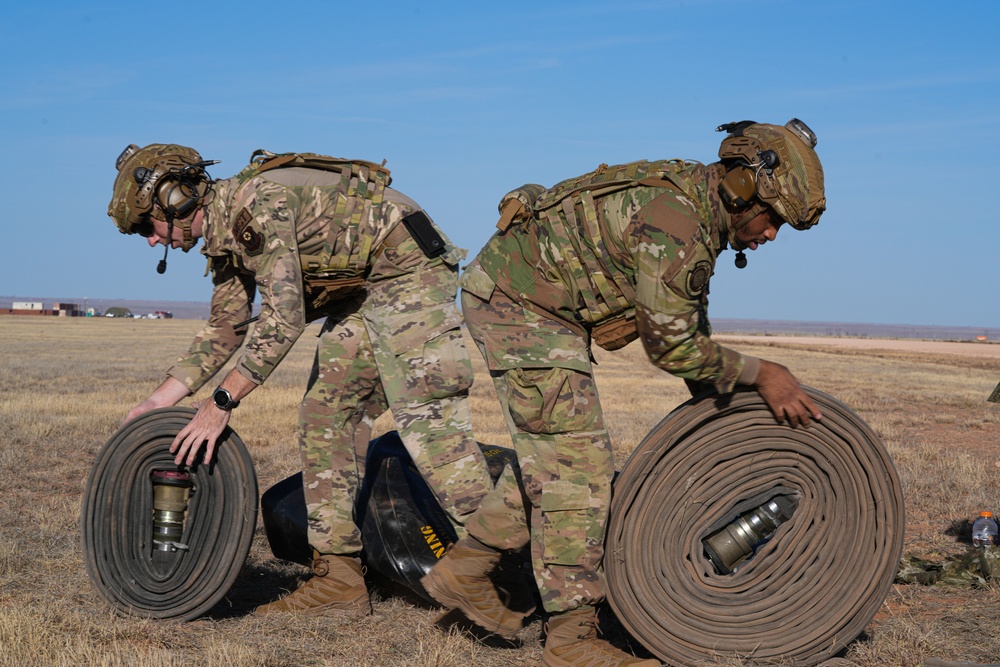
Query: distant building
pixel 981 339
pixel 37 308
pixel 67 309
pixel 26 308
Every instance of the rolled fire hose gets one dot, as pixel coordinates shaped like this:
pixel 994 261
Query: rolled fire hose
pixel 161 540
pixel 803 594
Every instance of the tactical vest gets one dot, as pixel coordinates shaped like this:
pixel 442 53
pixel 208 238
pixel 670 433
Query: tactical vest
pixel 570 210
pixel 330 275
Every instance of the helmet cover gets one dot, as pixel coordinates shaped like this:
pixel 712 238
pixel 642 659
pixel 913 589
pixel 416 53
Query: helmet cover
pixel 143 178
pixel 789 180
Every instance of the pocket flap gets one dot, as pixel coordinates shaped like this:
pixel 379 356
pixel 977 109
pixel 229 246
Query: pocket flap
pixel 405 331
pixel 511 348
pixel 561 496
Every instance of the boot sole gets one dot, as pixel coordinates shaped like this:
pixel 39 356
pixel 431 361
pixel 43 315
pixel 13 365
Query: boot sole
pixel 356 610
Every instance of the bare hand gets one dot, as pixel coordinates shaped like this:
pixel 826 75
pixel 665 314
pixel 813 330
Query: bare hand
pixel 205 428
pixel 783 394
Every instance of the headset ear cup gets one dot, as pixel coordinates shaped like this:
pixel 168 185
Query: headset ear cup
pixel 173 193
pixel 738 187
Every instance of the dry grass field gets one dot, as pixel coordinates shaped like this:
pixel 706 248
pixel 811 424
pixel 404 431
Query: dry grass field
pixel 65 385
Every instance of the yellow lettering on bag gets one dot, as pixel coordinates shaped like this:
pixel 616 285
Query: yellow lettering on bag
pixel 432 541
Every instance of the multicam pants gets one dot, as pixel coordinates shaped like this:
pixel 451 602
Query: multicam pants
pixel 399 348
pixel 544 380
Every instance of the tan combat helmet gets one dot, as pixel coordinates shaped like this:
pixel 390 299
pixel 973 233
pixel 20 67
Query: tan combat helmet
pixel 776 164
pixel 169 176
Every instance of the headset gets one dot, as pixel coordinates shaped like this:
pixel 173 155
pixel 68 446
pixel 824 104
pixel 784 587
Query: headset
pixel 177 187
pixel 742 181
pixel 743 177
pixel 740 184
pixel 169 176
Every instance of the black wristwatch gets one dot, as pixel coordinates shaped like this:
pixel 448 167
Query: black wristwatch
pixel 224 400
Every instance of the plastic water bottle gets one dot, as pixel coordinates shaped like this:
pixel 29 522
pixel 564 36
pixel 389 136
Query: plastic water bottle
pixel 984 530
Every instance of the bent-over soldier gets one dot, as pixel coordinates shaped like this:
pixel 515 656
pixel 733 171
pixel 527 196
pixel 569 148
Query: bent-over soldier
pixel 620 253
pixel 317 236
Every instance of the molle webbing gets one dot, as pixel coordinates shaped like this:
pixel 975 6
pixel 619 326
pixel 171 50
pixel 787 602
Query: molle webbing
pixel 605 180
pixel 571 210
pixel 352 234
pixel 577 236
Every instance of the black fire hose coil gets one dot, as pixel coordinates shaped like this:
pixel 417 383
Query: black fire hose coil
pixel 805 593
pixel 116 522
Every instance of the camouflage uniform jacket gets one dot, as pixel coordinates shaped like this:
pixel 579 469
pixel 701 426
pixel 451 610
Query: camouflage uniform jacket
pixel 658 243
pixel 257 230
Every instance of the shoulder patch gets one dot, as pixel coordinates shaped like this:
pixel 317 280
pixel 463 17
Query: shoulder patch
pixel 697 278
pixel 249 238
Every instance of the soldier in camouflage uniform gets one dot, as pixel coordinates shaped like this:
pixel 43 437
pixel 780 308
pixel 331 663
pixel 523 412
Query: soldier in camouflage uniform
pixel 317 236
pixel 619 253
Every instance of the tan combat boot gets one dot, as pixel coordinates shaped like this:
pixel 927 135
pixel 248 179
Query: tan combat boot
pixel 571 641
pixel 461 581
pixel 337 588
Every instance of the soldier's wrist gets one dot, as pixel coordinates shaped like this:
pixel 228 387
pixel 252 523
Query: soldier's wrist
pixel 751 369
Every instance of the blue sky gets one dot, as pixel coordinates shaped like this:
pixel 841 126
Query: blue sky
pixel 469 100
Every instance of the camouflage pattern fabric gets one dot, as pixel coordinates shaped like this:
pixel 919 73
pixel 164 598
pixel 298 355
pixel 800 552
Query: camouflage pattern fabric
pixel 975 567
pixel 544 379
pixel 395 346
pixel 343 399
pixel 526 309
pixel 661 240
pixel 400 348
pixel 258 228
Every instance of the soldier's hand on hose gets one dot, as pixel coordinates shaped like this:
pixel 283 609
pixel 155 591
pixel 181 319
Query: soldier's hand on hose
pixel 205 428
pixel 210 421
pixel 782 393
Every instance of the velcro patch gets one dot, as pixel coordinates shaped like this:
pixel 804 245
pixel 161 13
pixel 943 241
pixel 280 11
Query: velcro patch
pixel 697 278
pixel 249 238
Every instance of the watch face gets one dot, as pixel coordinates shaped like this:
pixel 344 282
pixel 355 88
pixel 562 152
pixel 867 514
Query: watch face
pixel 222 398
